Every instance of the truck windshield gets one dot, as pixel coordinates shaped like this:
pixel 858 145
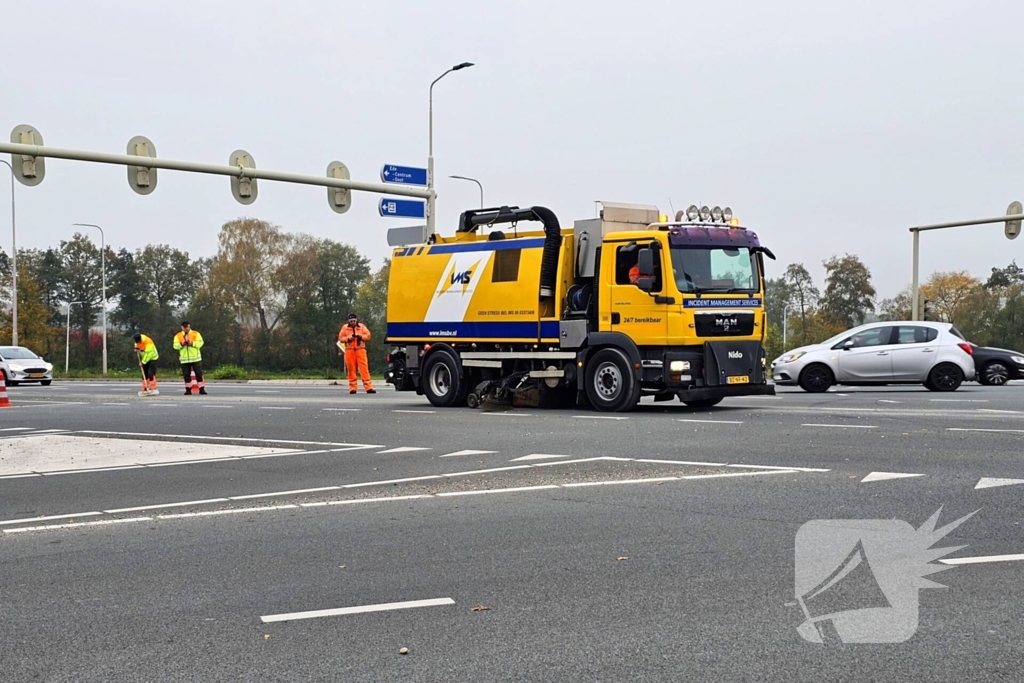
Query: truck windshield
pixel 712 269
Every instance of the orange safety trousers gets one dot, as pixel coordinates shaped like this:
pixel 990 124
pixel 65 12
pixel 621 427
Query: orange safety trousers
pixel 354 358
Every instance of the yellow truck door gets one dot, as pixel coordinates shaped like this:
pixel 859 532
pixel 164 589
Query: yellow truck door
pixel 633 311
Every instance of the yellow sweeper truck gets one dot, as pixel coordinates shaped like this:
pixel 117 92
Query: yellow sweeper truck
pixel 625 305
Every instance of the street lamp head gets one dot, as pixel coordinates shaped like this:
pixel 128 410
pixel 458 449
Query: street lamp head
pixel 464 65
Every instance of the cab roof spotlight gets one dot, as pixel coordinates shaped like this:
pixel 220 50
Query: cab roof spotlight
pixel 716 214
pixel 727 214
pixel 692 212
pixel 705 213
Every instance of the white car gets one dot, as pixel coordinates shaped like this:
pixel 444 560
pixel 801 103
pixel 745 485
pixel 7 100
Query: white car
pixel 929 353
pixel 21 365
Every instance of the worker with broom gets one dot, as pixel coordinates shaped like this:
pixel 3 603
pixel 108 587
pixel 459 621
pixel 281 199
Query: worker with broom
pixel 145 351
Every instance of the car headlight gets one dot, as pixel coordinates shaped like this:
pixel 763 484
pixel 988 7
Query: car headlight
pixel 789 358
pixel 1019 360
pixel 679 365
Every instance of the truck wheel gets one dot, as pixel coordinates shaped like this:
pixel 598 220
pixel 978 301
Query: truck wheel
pixel 610 384
pixel 442 383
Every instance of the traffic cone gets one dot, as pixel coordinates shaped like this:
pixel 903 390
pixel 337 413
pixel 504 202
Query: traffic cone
pixel 4 401
pixel 195 384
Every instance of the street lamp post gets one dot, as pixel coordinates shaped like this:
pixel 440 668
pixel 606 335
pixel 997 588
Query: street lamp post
pixel 430 154
pixel 474 180
pixel 67 344
pixel 785 323
pixel 103 276
pixel 14 263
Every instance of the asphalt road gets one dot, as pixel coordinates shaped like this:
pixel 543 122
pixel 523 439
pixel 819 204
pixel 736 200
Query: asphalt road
pixel 199 538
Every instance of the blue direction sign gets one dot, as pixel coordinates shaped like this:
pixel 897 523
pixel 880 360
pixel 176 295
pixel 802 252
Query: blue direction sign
pixel 403 208
pixel 403 175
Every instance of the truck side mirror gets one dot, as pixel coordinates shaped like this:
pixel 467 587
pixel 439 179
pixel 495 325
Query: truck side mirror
pixel 645 262
pixel 646 284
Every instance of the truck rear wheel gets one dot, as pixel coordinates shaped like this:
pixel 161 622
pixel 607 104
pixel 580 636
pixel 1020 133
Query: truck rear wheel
pixel 610 384
pixel 443 383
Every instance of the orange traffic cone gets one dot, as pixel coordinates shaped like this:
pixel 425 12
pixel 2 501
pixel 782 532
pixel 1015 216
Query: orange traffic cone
pixel 195 384
pixel 4 401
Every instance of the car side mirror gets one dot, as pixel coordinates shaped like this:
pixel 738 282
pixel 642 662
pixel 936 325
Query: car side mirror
pixel 847 345
pixel 645 262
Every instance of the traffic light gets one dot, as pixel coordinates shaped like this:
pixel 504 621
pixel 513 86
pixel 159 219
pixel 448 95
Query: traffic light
pixel 140 178
pixel 29 170
pixel 243 188
pixel 339 199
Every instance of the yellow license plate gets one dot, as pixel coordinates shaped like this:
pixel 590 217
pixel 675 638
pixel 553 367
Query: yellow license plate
pixel 739 379
pixel 37 375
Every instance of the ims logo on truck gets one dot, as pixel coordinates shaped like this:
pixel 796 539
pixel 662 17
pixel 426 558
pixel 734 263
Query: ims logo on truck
pixel 462 277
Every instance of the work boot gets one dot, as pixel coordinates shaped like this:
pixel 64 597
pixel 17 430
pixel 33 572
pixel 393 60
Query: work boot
pixel 188 392
pixel 351 391
pixel 203 391
pixel 371 391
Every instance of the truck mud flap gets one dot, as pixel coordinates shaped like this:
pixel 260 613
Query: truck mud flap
pixel 733 364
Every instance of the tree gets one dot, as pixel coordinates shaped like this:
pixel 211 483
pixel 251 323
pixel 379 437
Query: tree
pixel 134 310
pixel 849 295
pixel 79 281
pixel 802 294
pixel 34 328
pixel 249 254
pixel 169 276
pixel 1005 277
pixel 777 296
pixel 949 292
pixel 898 307
pixel 372 308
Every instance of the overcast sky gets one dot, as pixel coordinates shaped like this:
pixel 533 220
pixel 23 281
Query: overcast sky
pixel 827 127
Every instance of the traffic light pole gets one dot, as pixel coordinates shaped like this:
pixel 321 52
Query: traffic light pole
pixel 212 169
pixel 1012 219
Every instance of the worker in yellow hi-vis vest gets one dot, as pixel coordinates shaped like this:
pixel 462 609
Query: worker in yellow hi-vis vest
pixel 188 343
pixel 148 355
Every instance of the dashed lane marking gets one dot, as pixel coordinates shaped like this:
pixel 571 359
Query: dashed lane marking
pixel 993 431
pixel 993 482
pixel 831 426
pixel 986 558
pixel 724 422
pixel 599 417
pixel 539 456
pixel 885 476
pixel 470 452
pixel 424 412
pixel 383 607
pixel 403 449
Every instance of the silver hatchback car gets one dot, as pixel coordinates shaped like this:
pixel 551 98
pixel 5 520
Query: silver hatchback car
pixel 933 354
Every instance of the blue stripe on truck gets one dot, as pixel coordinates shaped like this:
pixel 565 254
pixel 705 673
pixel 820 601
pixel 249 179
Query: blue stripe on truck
pixel 472 330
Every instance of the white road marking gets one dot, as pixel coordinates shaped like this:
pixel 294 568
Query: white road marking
pixel 505 414
pixel 424 412
pixel 166 505
pixel 840 426
pixel 49 518
pixel 885 476
pixel 764 470
pixel 50 431
pixel 384 607
pixel 993 410
pixel 102 522
pixel 514 489
pixel 883 400
pixel 266 391
pixel 114 404
pixel 723 422
pixel 17 429
pixel 996 431
pixel 539 456
pixel 615 483
pixel 404 449
pixel 958 400
pixel 599 417
pixel 352 446
pixel 777 467
pixel 674 462
pixel 342 410
pixel 988 483
pixel 230 511
pixel 458 453
pixel 986 558
pixel 275 408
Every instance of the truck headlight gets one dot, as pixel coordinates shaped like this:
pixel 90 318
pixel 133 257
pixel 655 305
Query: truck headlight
pixel 679 365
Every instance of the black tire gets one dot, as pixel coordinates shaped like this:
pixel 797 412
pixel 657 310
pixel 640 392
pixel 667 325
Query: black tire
pixel 704 403
pixel 945 377
pixel 472 400
pixel 46 382
pixel 994 374
pixel 442 383
pixel 816 378
pixel 610 384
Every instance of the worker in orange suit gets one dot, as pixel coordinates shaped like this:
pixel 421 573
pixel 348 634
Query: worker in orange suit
pixel 353 337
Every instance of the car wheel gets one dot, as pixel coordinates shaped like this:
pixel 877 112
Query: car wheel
pixel 816 378
pixel 994 374
pixel 443 385
pixel 610 384
pixel 945 377
pixel 704 403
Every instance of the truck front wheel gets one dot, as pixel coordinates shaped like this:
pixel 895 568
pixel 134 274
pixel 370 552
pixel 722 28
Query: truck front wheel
pixel 610 384
pixel 443 383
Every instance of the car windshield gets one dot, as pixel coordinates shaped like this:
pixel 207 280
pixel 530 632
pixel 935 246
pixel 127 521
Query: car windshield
pixel 16 353
pixel 706 269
